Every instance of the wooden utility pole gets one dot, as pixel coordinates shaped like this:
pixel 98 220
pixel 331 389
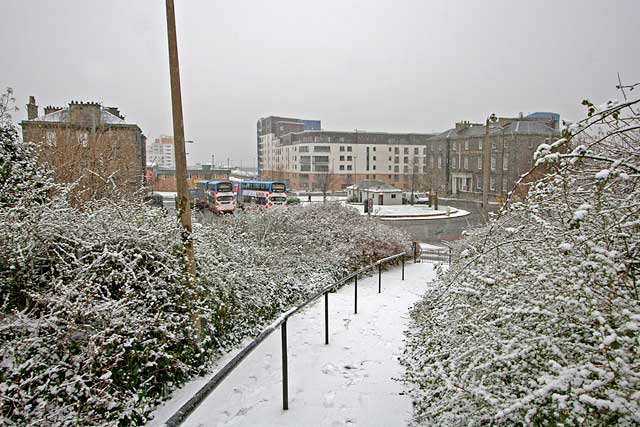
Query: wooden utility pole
pixel 184 204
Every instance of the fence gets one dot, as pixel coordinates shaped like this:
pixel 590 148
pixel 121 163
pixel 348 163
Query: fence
pixel 186 409
pixel 431 253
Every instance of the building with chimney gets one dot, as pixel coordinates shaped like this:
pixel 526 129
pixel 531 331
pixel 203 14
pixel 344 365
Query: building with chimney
pixel 90 144
pixel 448 162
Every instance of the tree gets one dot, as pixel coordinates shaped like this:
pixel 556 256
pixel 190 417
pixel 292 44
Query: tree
pixel 325 180
pixel 538 320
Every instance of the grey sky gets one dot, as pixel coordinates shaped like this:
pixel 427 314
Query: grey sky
pixel 378 65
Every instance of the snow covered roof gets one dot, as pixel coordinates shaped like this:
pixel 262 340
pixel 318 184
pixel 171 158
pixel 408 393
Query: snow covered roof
pixel 62 115
pixel 371 185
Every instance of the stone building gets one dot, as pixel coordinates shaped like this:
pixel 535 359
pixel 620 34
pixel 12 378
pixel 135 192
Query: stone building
pixel 449 162
pixel 88 144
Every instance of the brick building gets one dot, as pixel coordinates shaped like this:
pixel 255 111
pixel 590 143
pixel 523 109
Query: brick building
pixel 89 144
pixel 449 162
pixel 165 179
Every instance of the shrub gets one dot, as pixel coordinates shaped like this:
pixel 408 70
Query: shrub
pixel 538 321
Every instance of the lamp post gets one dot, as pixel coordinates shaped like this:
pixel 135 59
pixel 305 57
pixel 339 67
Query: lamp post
pixel 486 165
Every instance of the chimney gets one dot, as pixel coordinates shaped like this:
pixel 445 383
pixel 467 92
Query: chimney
pixel 32 108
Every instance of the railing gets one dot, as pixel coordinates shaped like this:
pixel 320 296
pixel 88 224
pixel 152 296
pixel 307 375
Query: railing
pixel 186 409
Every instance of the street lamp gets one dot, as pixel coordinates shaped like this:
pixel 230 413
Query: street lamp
pixel 486 165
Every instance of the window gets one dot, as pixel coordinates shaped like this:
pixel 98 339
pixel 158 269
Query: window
pixel 393 196
pixel 342 148
pixel 374 158
pixel 374 167
pixel 431 162
pixel 304 149
pixel 416 151
pixel 505 185
pixel 480 144
pixel 406 169
pixel 424 151
pixel 493 163
pixel 505 162
pixel 342 158
pixel 453 162
pixel 406 160
pixel 492 183
pixel 305 159
pixel 389 158
pixel 478 182
pixel 389 149
pixel 83 138
pixel 389 167
pixel 466 144
pixel 479 162
pixel 374 149
pixel 349 158
pixel 396 150
pixel 466 163
pixel 406 150
pixel 396 169
pixel 440 162
pixel 51 137
pixel 321 159
pixel 396 159
pixel 349 148
pixel 321 149
pixel 305 168
pixel 349 167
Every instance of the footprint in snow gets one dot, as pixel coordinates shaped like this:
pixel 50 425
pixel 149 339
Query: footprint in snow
pixel 329 399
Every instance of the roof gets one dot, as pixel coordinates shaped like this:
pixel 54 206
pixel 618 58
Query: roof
pixel 63 116
pixel 527 127
pixel 371 185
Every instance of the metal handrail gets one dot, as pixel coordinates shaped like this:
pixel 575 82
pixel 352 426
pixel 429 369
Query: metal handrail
pixel 185 410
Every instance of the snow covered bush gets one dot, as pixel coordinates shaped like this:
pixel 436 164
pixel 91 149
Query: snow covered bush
pixel 96 315
pixel 538 320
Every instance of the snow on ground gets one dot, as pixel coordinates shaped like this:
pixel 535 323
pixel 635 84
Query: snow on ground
pixel 411 212
pixel 347 383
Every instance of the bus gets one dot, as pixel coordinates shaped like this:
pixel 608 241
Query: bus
pixel 262 193
pixel 220 196
pixel 200 195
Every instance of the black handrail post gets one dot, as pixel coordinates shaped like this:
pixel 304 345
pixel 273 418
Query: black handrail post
pixel 379 278
pixel 449 256
pixel 402 267
pixel 326 317
pixel 355 307
pixel 415 252
pixel 285 376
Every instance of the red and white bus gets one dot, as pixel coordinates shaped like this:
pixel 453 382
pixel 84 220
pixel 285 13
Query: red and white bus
pixel 220 197
pixel 262 193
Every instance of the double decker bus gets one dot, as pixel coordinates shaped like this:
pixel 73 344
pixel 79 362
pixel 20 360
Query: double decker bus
pixel 262 193
pixel 220 196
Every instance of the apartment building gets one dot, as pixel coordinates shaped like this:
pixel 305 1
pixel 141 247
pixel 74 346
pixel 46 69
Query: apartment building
pixel 90 144
pixel 161 152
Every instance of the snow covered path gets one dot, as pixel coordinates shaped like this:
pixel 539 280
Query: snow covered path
pixel 347 383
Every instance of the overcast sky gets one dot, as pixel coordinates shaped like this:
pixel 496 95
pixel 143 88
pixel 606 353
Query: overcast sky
pixel 383 65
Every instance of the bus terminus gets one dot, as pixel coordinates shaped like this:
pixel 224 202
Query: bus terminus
pixel 220 196
pixel 262 193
